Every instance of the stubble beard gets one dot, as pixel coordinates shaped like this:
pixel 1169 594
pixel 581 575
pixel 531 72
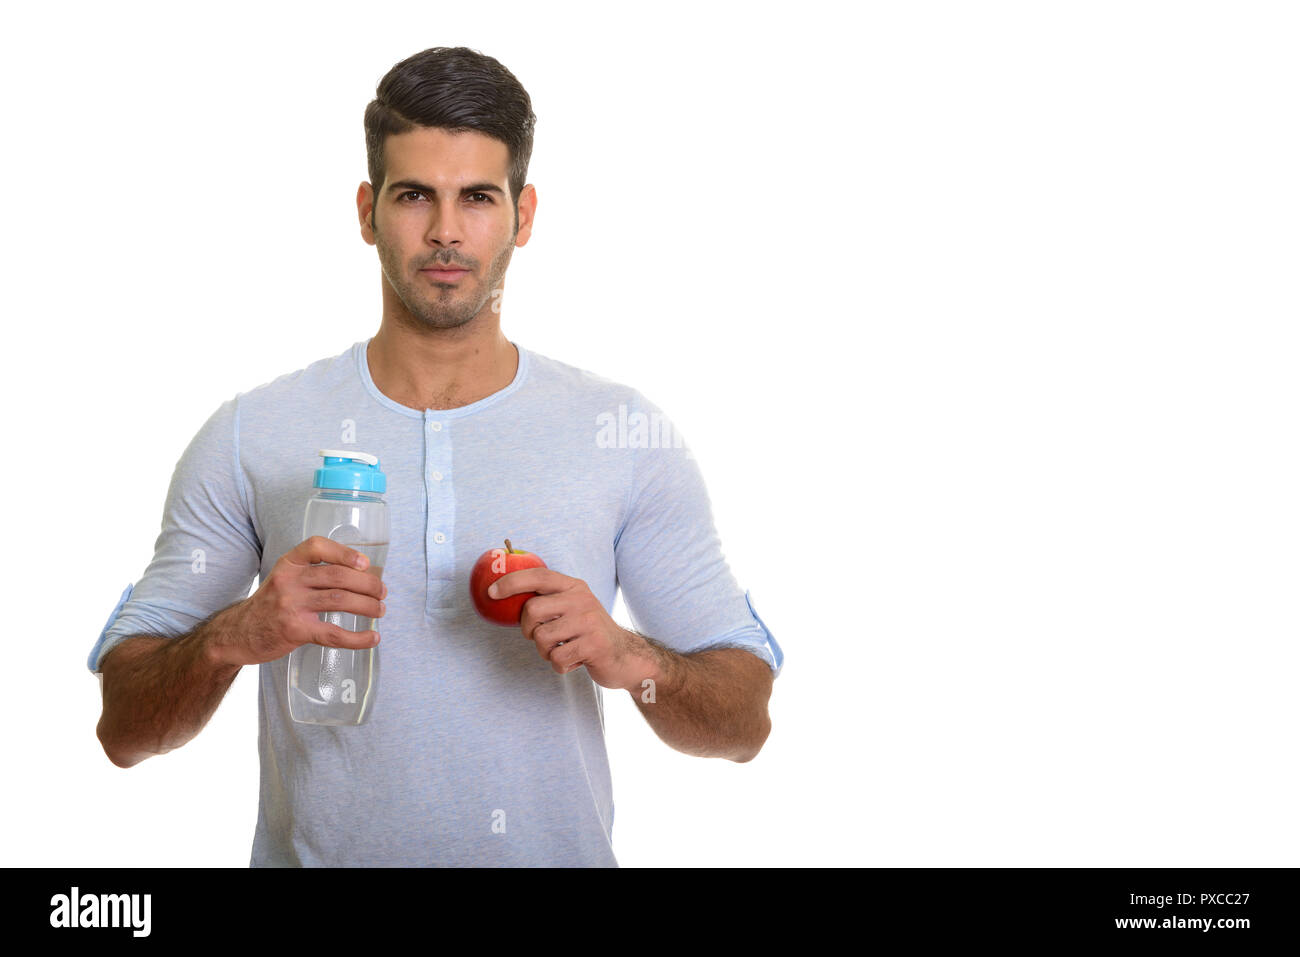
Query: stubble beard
pixel 437 306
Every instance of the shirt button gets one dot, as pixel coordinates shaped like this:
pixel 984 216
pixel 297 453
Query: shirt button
pixel 435 426
pixel 436 476
pixel 439 537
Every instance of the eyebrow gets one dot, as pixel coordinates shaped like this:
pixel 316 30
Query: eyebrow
pixel 476 188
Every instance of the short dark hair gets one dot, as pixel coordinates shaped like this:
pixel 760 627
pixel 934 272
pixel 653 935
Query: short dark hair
pixel 456 89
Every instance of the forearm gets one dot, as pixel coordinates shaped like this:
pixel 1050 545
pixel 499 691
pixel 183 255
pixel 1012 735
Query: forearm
pixel 160 692
pixel 708 704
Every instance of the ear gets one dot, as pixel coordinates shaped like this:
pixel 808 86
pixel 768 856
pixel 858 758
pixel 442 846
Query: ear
pixel 366 212
pixel 527 210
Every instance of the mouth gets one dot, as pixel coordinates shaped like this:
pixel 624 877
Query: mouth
pixel 445 275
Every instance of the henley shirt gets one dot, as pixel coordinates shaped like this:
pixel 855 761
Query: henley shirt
pixel 475 753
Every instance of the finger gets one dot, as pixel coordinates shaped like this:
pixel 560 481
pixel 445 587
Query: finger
pixel 540 609
pixel 542 580
pixel 340 599
pixel 549 635
pixel 507 584
pixel 318 548
pixel 340 576
pixel 567 656
pixel 332 636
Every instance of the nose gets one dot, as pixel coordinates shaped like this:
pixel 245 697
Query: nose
pixel 445 224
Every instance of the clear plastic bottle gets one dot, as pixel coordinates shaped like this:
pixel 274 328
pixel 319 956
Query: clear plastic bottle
pixel 336 686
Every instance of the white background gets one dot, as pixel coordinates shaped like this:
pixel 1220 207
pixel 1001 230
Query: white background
pixel 979 318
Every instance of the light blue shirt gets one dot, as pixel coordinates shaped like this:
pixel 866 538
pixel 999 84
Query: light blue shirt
pixel 476 752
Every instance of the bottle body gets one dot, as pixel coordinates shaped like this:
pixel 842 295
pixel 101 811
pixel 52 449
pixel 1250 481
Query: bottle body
pixel 337 686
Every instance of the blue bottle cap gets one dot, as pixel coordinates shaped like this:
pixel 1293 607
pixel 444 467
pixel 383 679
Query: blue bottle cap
pixel 350 471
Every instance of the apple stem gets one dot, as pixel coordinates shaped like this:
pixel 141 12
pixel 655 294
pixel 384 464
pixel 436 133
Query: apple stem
pixel 508 548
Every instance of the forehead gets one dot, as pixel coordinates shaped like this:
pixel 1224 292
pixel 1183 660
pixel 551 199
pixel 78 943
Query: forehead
pixel 440 157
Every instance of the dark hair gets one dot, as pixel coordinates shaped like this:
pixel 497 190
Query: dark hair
pixel 456 89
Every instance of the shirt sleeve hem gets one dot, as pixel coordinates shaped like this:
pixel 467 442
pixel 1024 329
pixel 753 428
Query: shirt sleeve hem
pixel 102 646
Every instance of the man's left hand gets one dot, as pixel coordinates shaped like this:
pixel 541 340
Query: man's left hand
pixel 570 627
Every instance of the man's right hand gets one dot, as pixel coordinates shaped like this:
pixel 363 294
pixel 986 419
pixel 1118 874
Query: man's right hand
pixel 284 612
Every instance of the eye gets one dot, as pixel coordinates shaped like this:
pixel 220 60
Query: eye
pixel 477 197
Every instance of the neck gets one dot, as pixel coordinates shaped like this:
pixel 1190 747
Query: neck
pixel 441 369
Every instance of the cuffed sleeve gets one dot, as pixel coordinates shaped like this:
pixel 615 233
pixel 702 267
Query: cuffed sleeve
pixel 675 580
pixel 207 554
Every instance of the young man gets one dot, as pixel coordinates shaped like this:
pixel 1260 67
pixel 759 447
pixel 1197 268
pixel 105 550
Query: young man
pixel 485 745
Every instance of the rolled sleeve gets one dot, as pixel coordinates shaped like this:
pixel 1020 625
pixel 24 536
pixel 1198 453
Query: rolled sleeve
pixel 207 554
pixel 674 578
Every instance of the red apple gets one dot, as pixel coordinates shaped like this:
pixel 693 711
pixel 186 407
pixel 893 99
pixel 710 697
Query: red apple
pixel 490 566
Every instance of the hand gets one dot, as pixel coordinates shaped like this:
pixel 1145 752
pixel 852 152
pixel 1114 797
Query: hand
pixel 570 628
pixel 284 612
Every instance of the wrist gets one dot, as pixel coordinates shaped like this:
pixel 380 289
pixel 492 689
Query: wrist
pixel 215 650
pixel 655 663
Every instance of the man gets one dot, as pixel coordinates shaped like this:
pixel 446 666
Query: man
pixel 485 745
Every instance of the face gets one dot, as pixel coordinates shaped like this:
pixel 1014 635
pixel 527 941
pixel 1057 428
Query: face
pixel 444 204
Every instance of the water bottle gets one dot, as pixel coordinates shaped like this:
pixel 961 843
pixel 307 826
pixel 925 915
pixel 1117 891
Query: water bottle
pixel 336 686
